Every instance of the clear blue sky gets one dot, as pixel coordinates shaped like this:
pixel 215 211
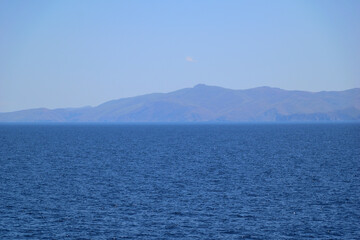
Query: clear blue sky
pixel 76 53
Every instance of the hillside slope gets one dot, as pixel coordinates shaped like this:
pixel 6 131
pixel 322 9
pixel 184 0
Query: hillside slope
pixel 207 104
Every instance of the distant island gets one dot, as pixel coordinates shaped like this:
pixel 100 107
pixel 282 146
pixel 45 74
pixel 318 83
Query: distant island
pixel 204 103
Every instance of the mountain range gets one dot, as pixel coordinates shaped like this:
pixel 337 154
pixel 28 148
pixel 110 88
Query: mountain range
pixel 204 103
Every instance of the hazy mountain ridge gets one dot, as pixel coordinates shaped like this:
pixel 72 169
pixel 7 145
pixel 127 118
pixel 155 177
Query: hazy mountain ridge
pixel 209 104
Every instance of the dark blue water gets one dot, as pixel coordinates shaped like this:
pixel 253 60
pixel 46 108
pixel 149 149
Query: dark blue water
pixel 180 181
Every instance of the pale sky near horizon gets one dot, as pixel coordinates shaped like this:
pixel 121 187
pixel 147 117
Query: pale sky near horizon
pixel 76 53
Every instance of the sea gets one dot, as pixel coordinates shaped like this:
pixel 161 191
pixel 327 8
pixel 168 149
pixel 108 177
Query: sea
pixel 180 181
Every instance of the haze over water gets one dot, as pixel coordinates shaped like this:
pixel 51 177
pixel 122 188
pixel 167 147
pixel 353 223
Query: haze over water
pixel 260 181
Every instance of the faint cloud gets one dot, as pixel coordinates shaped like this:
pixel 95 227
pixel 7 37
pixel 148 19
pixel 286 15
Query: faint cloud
pixel 190 59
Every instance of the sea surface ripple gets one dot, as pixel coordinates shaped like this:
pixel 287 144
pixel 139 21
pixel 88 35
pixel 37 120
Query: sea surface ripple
pixel 209 181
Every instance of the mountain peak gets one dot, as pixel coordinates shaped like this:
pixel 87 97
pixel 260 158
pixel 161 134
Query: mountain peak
pixel 200 85
pixel 209 103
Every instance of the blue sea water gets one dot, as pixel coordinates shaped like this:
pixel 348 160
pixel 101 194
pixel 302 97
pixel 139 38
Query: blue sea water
pixel 246 181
